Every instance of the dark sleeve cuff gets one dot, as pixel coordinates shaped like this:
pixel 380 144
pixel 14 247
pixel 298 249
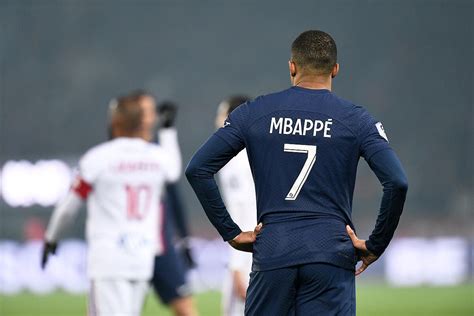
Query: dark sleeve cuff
pixel 231 234
pixel 378 251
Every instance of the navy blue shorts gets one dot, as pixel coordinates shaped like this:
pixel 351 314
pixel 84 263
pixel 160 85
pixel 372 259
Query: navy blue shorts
pixel 309 289
pixel 169 277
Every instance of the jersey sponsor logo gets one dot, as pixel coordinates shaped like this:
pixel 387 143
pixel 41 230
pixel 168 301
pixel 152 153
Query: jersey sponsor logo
pixel 301 127
pixel 381 130
pixel 134 242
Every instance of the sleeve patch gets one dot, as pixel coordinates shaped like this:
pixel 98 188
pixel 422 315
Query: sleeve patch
pixel 381 130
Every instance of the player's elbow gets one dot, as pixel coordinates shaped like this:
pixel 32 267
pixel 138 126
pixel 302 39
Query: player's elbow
pixel 192 170
pixel 198 169
pixel 400 184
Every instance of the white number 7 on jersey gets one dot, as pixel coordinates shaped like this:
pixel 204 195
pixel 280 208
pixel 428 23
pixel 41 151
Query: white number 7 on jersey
pixel 308 164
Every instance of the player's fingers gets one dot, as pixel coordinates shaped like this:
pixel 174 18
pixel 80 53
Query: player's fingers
pixel 258 228
pixel 361 268
pixel 351 234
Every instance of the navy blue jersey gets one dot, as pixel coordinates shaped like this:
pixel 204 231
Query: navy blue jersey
pixel 303 147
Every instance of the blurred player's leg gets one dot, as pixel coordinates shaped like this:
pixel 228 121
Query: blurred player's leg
pixel 170 284
pixel 272 292
pixel 91 300
pixel 183 306
pixel 117 297
pixel 233 302
pixel 324 289
pixel 140 291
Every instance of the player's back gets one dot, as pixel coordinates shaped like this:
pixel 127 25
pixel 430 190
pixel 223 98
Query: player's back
pixel 127 176
pixel 303 147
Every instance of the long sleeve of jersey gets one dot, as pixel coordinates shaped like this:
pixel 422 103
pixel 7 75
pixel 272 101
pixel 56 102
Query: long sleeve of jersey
pixel 389 171
pixel 168 140
pixel 63 215
pixel 206 162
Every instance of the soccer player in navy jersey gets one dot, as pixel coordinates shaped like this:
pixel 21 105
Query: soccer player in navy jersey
pixel 303 145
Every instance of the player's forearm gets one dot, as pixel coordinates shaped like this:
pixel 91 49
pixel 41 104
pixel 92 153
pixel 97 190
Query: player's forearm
pixel 63 215
pixel 168 139
pixel 209 159
pixel 390 172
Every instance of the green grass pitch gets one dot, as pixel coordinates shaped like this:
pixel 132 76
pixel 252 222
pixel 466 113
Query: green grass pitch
pixel 372 300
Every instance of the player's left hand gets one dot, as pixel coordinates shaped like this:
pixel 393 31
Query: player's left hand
pixel 49 248
pixel 365 255
pixel 186 252
pixel 244 241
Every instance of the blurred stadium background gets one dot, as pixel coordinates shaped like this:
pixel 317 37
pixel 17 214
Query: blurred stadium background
pixel 409 62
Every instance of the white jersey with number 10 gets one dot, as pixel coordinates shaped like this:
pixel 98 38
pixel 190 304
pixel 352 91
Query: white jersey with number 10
pixel 123 180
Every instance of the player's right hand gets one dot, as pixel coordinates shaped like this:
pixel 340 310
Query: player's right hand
pixel 244 241
pixel 365 255
pixel 49 247
pixel 167 112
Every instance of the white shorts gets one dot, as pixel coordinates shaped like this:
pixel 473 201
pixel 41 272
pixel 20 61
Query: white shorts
pixel 117 297
pixel 232 304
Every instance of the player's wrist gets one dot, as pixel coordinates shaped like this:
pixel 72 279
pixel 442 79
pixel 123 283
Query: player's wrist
pixel 48 239
pixel 238 237
pixel 232 235
pixel 372 249
pixel 171 130
pixel 168 134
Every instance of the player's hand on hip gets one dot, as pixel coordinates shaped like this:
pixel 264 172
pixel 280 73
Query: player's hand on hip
pixel 365 255
pixel 244 241
pixel 49 248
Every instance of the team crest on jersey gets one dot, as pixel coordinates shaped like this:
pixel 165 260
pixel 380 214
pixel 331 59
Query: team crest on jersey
pixel 381 130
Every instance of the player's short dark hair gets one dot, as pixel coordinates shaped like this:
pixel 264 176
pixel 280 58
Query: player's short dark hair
pixel 140 93
pixel 315 51
pixel 234 101
pixel 128 110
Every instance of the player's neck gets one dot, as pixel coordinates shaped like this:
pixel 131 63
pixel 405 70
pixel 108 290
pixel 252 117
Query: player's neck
pixel 313 82
pixel 141 135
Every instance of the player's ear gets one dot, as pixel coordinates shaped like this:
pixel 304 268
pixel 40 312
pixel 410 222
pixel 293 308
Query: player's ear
pixel 116 123
pixel 335 70
pixel 292 67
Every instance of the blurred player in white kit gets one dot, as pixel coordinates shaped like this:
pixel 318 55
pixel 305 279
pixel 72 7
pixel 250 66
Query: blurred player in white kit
pixel 169 275
pixel 239 195
pixel 122 181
